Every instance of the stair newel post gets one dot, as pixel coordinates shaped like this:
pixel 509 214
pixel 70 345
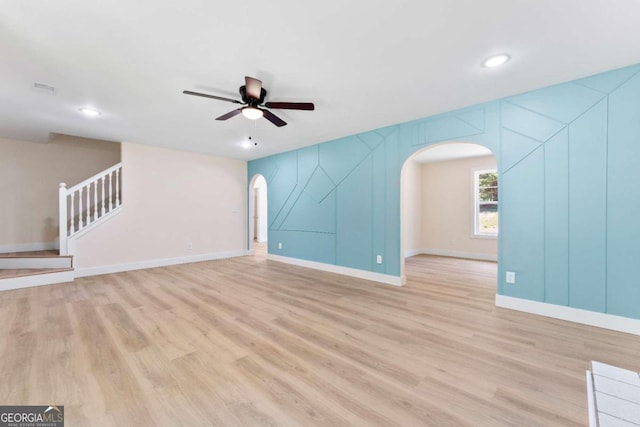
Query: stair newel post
pixel 102 211
pixel 110 191
pixel 117 187
pixel 62 217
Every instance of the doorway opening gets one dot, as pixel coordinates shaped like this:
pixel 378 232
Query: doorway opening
pixel 449 208
pixel 258 222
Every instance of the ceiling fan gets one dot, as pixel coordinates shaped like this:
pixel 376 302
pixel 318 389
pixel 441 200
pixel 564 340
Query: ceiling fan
pixel 253 95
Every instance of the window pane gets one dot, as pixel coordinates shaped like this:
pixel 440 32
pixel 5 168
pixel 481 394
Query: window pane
pixel 489 194
pixel 487 202
pixel 488 221
pixel 488 207
pixel 488 179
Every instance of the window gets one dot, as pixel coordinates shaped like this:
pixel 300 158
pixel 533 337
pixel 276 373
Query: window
pixel 486 203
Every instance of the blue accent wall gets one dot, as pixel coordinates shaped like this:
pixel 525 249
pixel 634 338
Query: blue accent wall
pixel 569 164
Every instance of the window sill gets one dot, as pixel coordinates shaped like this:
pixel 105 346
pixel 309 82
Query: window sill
pixel 485 236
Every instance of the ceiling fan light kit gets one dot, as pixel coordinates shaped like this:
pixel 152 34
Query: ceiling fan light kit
pixel 253 95
pixel 252 113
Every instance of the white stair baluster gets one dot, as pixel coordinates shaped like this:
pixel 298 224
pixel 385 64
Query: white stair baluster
pixel 104 199
pixel 88 212
pixel 111 191
pixel 80 211
pixel 73 228
pixel 95 201
pixel 117 187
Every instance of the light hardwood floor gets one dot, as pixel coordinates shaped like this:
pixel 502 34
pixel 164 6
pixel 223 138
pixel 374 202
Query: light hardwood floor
pixel 250 342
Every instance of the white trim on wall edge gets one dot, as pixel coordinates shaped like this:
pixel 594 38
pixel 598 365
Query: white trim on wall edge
pixel 585 317
pixel 453 254
pixel 36 280
pixel 153 263
pixel 347 271
pixel 29 247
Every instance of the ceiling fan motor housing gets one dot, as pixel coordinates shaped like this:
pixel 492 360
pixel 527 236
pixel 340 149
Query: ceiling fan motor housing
pixel 250 101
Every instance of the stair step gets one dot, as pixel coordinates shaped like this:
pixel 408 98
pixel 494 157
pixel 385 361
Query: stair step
pixel 8 273
pixel 49 253
pixel 25 278
pixel 35 261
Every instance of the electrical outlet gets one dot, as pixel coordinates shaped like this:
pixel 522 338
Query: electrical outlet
pixel 511 277
pixel 279 245
pixel 379 259
pixel 189 246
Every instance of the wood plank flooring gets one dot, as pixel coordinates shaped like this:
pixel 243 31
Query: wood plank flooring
pixel 251 342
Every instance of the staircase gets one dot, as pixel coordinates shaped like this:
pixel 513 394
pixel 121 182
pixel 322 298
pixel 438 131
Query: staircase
pixel 81 208
pixel 25 269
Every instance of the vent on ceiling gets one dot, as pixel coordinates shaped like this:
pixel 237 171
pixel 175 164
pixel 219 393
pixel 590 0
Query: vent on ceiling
pixel 41 87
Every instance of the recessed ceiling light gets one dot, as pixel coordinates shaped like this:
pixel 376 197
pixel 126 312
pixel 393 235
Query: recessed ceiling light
pixel 89 112
pixel 496 60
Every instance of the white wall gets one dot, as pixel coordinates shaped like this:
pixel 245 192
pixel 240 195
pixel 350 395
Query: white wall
pixel 260 186
pixel 412 206
pixel 30 173
pixel 447 207
pixel 170 199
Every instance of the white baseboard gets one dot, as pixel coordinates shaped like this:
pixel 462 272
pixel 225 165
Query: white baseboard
pixel 28 247
pixel 153 263
pixel 413 252
pixel 36 280
pixel 576 315
pixel 347 271
pixel 453 254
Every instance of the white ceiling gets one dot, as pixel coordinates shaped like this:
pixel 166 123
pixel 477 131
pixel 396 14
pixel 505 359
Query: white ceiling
pixel 365 64
pixel 451 151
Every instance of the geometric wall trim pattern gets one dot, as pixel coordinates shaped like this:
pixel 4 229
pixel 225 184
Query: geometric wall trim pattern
pixel 569 164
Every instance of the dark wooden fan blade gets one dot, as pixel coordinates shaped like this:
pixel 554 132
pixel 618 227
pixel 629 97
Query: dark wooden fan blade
pixel 273 118
pixel 230 114
pixel 204 95
pixel 291 105
pixel 254 87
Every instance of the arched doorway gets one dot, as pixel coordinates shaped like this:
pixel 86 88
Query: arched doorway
pixel 257 231
pixel 449 203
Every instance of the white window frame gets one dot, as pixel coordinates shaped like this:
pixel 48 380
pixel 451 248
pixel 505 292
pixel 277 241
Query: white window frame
pixel 476 205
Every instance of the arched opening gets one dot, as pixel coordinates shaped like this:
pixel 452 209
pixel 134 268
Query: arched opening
pixel 258 224
pixel 449 206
